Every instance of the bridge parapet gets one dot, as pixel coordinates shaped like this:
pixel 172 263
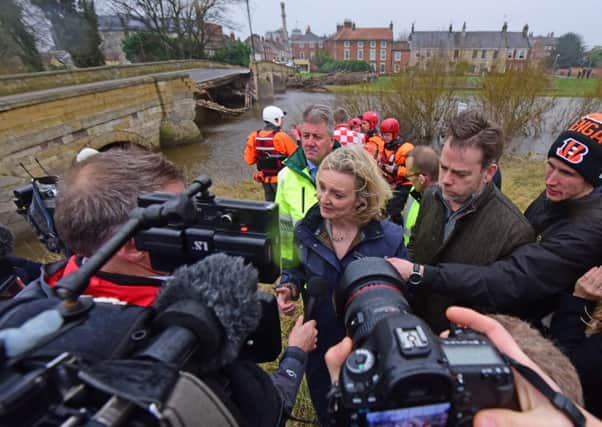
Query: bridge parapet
pixel 20 83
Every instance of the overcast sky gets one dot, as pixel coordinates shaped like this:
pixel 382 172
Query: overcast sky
pixel 543 16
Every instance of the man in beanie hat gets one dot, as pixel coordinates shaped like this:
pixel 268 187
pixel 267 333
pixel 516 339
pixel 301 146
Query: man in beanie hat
pixel 567 217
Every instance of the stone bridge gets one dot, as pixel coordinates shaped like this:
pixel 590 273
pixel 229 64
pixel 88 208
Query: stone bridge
pixel 51 116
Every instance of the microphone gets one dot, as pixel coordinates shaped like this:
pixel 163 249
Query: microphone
pixel 316 288
pixel 215 301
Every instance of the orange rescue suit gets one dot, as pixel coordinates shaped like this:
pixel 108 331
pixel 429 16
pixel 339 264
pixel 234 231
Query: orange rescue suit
pixel 273 145
pixel 395 154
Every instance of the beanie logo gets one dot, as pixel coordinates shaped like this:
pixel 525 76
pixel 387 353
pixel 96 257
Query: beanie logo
pixel 572 151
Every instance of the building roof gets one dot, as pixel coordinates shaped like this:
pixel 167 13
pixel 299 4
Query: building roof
pixel 401 45
pixel 348 31
pixel 307 37
pixel 468 40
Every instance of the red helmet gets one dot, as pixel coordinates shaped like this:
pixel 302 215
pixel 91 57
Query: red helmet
pixel 371 117
pixel 390 126
pixel 355 122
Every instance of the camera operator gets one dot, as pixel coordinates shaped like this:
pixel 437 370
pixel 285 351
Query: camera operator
pixel 94 199
pixel 536 410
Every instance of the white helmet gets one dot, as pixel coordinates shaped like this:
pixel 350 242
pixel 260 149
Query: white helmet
pixel 274 115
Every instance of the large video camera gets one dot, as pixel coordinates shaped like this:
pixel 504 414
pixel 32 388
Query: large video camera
pixel 399 370
pixel 236 227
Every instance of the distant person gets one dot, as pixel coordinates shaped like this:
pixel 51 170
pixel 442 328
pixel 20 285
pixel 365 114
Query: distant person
pixel 422 164
pixel 297 186
pixel 393 164
pixel 267 148
pixel 342 133
pixel 372 140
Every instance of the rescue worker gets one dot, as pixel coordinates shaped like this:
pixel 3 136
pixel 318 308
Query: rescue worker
pixel 393 164
pixel 267 148
pixel 372 140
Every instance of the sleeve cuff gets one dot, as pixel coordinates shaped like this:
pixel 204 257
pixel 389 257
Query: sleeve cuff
pixel 294 353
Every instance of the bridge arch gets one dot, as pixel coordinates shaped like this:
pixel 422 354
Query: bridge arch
pixel 117 139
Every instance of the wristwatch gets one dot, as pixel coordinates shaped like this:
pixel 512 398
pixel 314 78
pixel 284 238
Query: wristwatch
pixel 415 278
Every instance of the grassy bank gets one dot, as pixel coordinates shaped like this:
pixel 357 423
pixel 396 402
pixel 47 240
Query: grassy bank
pixel 470 85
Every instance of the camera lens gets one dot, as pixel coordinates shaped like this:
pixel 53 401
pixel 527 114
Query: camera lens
pixel 369 291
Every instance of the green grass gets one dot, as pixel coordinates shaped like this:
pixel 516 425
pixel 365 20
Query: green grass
pixel 470 85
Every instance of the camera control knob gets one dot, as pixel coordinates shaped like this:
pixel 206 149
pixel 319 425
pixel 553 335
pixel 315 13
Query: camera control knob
pixel 226 219
pixel 360 361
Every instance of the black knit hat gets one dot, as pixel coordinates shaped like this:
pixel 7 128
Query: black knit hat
pixel 580 147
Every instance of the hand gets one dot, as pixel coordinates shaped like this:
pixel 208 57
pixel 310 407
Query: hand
pixel 403 267
pixel 335 357
pixel 536 409
pixel 304 335
pixel 389 168
pixel 589 286
pixel 285 304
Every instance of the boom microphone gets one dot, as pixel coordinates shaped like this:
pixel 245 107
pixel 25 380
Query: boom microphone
pixel 216 299
pixel 316 288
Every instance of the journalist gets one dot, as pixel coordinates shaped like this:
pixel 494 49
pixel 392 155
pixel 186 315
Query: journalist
pixel 535 409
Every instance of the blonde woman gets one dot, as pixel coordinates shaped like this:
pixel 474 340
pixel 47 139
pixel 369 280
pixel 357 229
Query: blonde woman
pixel 345 224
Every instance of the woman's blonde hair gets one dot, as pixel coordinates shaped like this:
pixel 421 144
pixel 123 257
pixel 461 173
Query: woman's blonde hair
pixel 372 189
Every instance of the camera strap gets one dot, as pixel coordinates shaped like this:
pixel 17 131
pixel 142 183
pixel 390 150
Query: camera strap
pixel 557 399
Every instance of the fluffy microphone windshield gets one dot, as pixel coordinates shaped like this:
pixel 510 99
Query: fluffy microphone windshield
pixel 228 288
pixel 7 241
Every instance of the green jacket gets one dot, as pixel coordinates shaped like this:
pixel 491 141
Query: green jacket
pixel 296 193
pixel 410 214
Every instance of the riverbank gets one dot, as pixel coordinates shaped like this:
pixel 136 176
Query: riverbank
pixel 471 85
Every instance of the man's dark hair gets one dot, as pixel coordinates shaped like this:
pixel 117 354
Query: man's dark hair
pixel 95 195
pixel 473 129
pixel 426 161
pixel 340 116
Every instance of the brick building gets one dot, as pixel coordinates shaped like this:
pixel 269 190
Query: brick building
pixel 401 55
pixel 373 45
pixel 305 47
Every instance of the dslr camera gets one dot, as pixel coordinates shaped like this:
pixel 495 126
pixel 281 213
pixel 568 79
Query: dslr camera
pixel 400 373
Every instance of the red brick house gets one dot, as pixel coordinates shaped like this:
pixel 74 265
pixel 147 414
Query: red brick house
pixel 401 56
pixel 373 45
pixel 305 47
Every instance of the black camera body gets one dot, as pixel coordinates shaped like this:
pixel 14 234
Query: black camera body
pixel 399 370
pixel 243 228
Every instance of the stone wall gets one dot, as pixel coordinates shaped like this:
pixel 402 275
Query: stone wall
pixel 21 83
pixel 54 125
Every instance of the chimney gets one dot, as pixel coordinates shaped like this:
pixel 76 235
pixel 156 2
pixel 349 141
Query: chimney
pixel 391 25
pixel 525 30
pixel 307 29
pixel 347 23
pixel 353 26
pixel 505 27
pixel 451 28
pixel 339 27
pixel 412 32
pixel 284 30
pixel 552 34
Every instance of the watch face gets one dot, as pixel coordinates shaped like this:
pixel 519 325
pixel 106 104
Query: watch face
pixel 415 279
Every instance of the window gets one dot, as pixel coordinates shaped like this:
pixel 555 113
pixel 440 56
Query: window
pixel 382 68
pixel 360 45
pixel 474 53
pixel 346 43
pixel 495 53
pixel 373 66
pixel 509 54
pixel 521 54
pixel 418 54
pixel 383 44
pixel 397 68
pixel 372 54
pixel 346 54
pixel 428 53
pixel 301 55
pixel 483 54
pixel 312 44
pixel 360 54
pixel 372 43
pixel 397 56
pixel 320 45
pixel 312 55
pixel 383 55
pixel 456 53
pixel 301 44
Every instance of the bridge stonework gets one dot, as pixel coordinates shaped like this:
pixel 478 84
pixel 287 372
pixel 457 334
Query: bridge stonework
pixel 54 125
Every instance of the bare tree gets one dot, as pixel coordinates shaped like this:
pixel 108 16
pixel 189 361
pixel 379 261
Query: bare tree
pixel 183 26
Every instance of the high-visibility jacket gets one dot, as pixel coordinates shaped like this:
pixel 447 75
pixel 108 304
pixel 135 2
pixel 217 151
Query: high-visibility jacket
pixel 374 144
pixel 295 195
pixel 395 154
pixel 267 149
pixel 410 214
